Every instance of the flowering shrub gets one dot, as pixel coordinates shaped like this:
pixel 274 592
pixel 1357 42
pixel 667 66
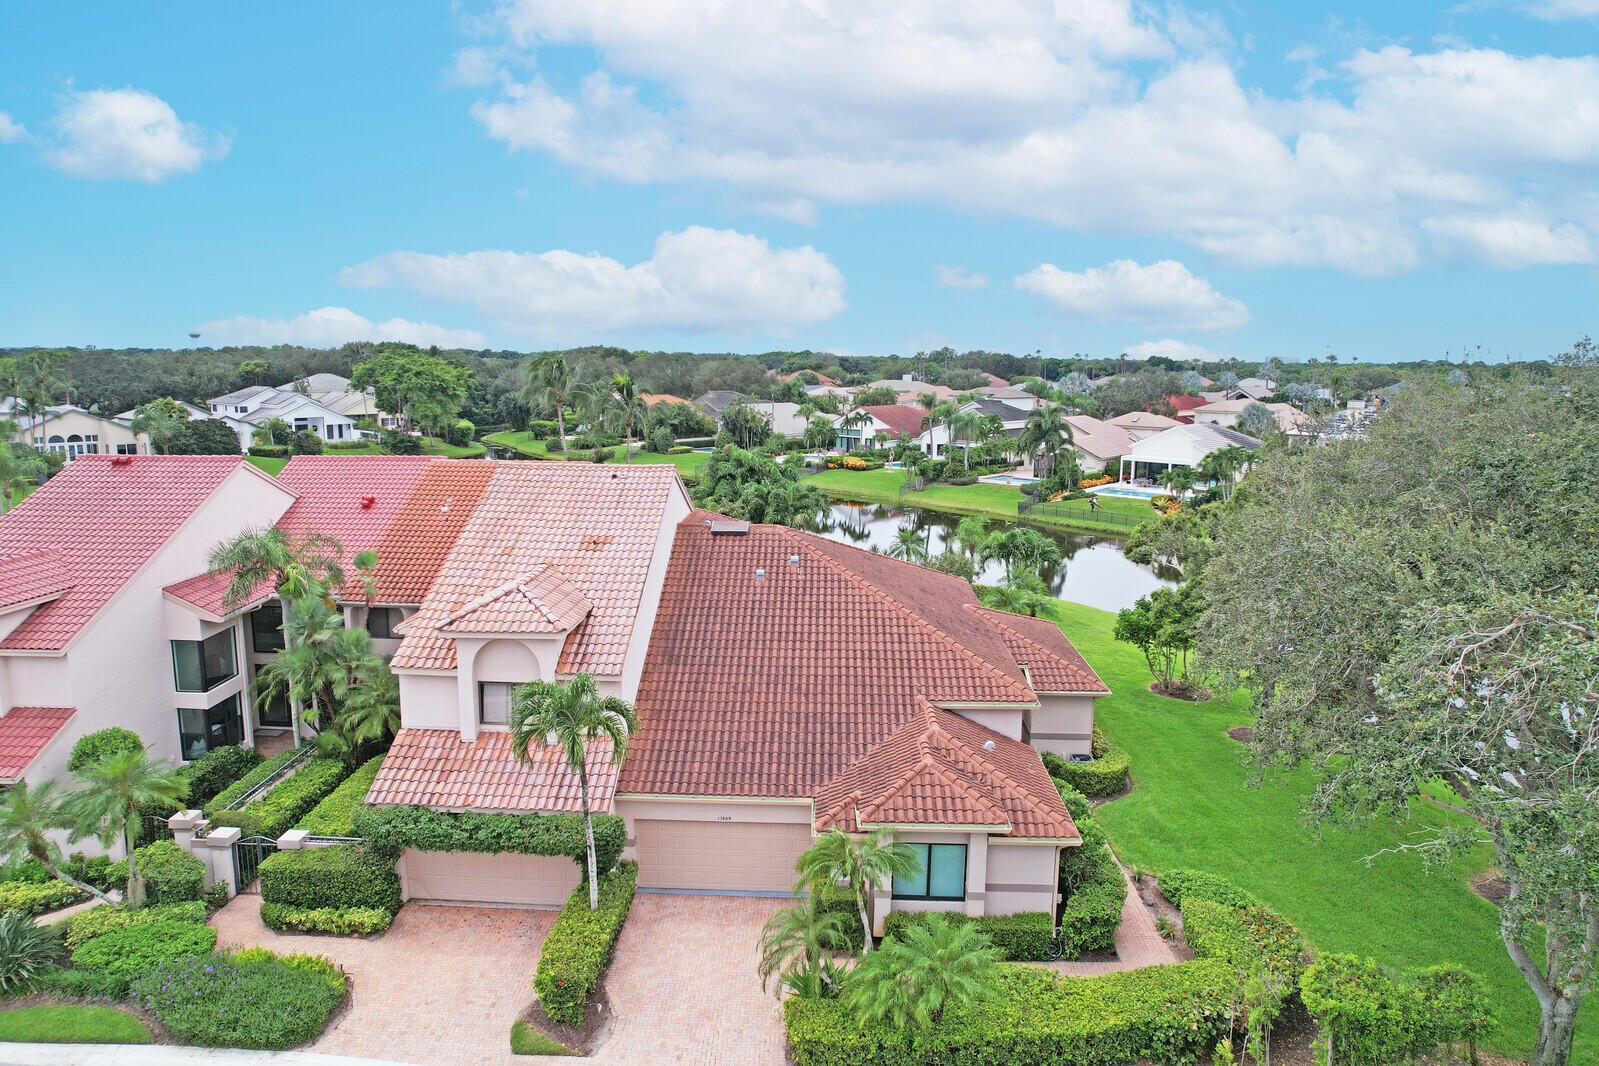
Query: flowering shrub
pixel 250 1000
pixel 853 463
pixel 1095 482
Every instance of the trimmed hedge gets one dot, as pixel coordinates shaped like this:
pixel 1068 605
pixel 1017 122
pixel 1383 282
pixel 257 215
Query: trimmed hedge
pixel 524 834
pixel 170 874
pixel 269 451
pixel 1162 1013
pixel 288 801
pixel 335 815
pixel 1105 775
pixel 96 922
pixel 92 747
pixel 97 871
pixel 1373 1015
pixel 1242 935
pixel 337 921
pixel 249 1000
pixel 28 898
pixel 1179 885
pixel 247 782
pixel 578 947
pixel 1021 937
pixel 217 769
pixel 346 875
pixel 1090 882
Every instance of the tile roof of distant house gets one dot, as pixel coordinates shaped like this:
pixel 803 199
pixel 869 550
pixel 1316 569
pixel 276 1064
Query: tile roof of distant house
pixel 1144 420
pixel 1102 440
pixel 987 405
pixel 31 576
pixel 316 383
pixel 1184 402
pixel 913 388
pixel 995 380
pixel 652 399
pixel 899 417
pixel 107 515
pixel 597 525
pixel 436 768
pixel 24 732
pixel 718 400
pixel 1005 392
pixel 243 395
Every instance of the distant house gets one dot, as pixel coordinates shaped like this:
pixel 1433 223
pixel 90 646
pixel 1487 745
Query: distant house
pixel 256 404
pixel 1228 412
pixel 1179 446
pixel 934 439
pixel 655 399
pixel 907 388
pixel 995 381
pixel 1097 442
pixel 243 430
pixel 1183 404
pixel 716 402
pixel 1141 424
pixel 1252 389
pixel 337 394
pixel 888 421
pixel 1020 399
pixel 74 431
pixel 821 378
pixel 783 417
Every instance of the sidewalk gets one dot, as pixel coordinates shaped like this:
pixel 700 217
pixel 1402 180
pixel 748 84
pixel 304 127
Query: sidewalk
pixel 1137 943
pixel 161 1054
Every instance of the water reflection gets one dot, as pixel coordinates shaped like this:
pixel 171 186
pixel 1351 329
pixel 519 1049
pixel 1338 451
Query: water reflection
pixel 1092 569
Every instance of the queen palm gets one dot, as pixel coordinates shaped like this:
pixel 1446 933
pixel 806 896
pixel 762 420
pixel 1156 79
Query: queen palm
pixel 552 381
pixel 625 408
pixel 1046 434
pixel 28 818
pixel 966 423
pixel 861 861
pixel 106 804
pixel 571 716
pixel 908 546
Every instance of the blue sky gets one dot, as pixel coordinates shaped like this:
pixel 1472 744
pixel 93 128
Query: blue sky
pixel 1379 181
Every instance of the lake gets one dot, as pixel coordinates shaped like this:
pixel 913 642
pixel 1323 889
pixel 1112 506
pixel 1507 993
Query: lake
pixel 1092 570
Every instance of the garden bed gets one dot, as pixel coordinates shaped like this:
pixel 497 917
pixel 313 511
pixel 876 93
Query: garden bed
pixel 584 1039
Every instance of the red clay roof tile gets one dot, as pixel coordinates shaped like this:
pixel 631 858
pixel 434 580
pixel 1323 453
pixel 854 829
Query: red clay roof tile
pixel 35 575
pixel 436 768
pixel 23 734
pixel 1053 664
pixel 537 602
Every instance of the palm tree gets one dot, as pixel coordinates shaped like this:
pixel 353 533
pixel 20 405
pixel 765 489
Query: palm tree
pixel 936 966
pixel 573 714
pixel 1046 434
pixel 930 406
pixel 322 661
pixel 858 420
pixel 372 713
pixel 273 431
pixel 18 466
pixel 908 546
pixel 551 380
pixel 366 572
pixel 1020 548
pixel 626 409
pixel 860 861
pixel 1027 595
pixel 1178 478
pixel 27 818
pixel 965 423
pixel 797 942
pixel 106 803
pixel 970 533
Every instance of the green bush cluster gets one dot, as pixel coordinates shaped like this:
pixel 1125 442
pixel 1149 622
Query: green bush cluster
pixel 337 921
pixel 1020 937
pixel 250 1000
pixel 132 952
pixel 92 747
pixel 1090 882
pixel 579 945
pixel 335 815
pixel 288 801
pixel 1374 1016
pixel 217 769
pixel 244 784
pixel 81 984
pixel 346 875
pixel 396 443
pixel 269 451
pixel 1161 1013
pixel 463 432
pixel 96 922
pixel 539 430
pixel 94 871
pixel 1178 885
pixel 27 898
pixel 426 829
pixel 170 874
pixel 1105 775
pixel 840 899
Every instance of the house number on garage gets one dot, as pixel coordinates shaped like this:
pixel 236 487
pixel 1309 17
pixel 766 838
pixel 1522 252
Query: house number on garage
pixel 724 817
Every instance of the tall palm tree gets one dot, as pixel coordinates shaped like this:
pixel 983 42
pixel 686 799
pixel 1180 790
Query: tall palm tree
pixel 935 966
pixel 862 861
pixel 573 714
pixel 797 943
pixel 970 532
pixel 908 546
pixel 1046 434
pixel 366 572
pixel 929 404
pixel 1178 478
pixel 322 663
pixel 28 817
pixel 626 409
pixel 966 423
pixel 106 803
pixel 857 420
pixel 551 380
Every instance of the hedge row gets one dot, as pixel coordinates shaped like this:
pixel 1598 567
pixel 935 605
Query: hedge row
pixel 268 451
pixel 96 922
pixel 1372 1015
pixel 1090 882
pixel 288 801
pixel 1180 885
pixel 524 834
pixel 1020 937
pixel 244 784
pixel 218 769
pixel 1104 775
pixel 1244 937
pixel 96 871
pixel 337 921
pixel 579 945
pixel 335 815
pixel 1162 1013
pixel 27 898
pixel 347 875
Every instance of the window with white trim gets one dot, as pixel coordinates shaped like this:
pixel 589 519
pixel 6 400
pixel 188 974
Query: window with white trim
pixel 494 700
pixel 943 875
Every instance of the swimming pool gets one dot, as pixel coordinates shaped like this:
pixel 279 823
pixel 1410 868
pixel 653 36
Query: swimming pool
pixel 1008 479
pixel 1128 493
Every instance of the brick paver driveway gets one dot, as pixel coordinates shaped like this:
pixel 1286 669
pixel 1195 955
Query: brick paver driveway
pixel 444 984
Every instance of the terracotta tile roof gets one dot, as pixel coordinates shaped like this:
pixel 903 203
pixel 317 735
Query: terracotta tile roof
pixel 34 575
pixel 353 498
pixel 436 768
pixel 1053 664
pixel 106 515
pixel 538 602
pixel 206 593
pixel 771 686
pixel 901 418
pixel 1100 439
pixel 939 768
pixel 426 526
pixel 1144 420
pixel 651 399
pixel 1187 403
pixel 23 734
pixel 596 524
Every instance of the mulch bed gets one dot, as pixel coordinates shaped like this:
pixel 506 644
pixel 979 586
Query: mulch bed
pixel 584 1039
pixel 1243 734
pixel 1187 693
pixel 1491 887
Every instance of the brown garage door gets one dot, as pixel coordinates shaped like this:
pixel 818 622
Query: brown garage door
pixel 468 877
pixel 719 856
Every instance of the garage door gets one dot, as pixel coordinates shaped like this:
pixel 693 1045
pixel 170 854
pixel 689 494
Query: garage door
pixel 466 877
pixel 719 856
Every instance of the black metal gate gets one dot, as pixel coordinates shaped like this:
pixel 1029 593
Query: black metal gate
pixel 247 856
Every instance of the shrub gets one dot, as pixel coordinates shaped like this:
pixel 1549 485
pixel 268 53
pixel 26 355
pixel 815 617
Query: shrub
pixel 579 945
pixel 601 455
pixel 216 897
pixel 335 815
pixel 81 984
pixel 252 1000
pixel 219 768
pixel 94 871
pixel 426 829
pixel 307 443
pixel 838 899
pixel 1021 937
pixel 1163 1013
pixel 1077 804
pixel 1373 1016
pixel 288 801
pixel 98 921
pixel 170 874
pixel 136 950
pixel 269 451
pixel 396 443
pixel 347 875
pixel 92 747
pixel 661 440
pixel 244 784
pixel 338 921
pixel 1094 900
pixel 1244 937
pixel 27 898
pixel 1180 885
pixel 541 430
pixel 1103 776
pixel 462 433
pixel 26 951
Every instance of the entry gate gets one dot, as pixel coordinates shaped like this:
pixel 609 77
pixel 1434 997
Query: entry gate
pixel 247 856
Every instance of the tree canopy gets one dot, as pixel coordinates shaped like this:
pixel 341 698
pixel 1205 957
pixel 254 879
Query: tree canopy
pixel 426 389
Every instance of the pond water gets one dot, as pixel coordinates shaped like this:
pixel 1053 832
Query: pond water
pixel 1092 569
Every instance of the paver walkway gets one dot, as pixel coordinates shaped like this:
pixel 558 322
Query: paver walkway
pixel 1137 942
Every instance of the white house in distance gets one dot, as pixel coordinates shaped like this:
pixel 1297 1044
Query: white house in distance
pixel 256 404
pixel 1141 424
pixel 490 574
pixel 886 423
pixel 934 439
pixel 335 392
pixel 1179 446
pixel 1228 412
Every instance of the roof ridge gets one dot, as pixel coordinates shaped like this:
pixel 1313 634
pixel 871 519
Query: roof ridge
pixel 905 610
pixel 989 612
pixel 994 768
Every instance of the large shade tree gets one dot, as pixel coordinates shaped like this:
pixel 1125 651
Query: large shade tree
pixel 1420 604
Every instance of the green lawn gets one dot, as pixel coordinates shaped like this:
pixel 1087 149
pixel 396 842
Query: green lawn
pixel 989 501
pixel 687 463
pixel 526 1040
pixel 270 464
pixel 72 1025
pixel 1191 807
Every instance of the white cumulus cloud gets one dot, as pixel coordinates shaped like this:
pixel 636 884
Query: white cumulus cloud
pixel 128 134
pixel 1182 351
pixel 698 280
pixel 1162 295
pixel 1555 10
pixel 956 277
pixel 10 129
pixel 329 327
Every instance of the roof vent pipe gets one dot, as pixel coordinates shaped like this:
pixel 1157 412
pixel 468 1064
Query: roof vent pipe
pixel 793 560
pixel 760 575
pixel 988 745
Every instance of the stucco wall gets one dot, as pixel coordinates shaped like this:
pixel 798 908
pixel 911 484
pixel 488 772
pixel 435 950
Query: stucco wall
pixel 1062 724
pixel 1006 721
pixel 677 509
pixel 1021 877
pixel 64 425
pixel 427 701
